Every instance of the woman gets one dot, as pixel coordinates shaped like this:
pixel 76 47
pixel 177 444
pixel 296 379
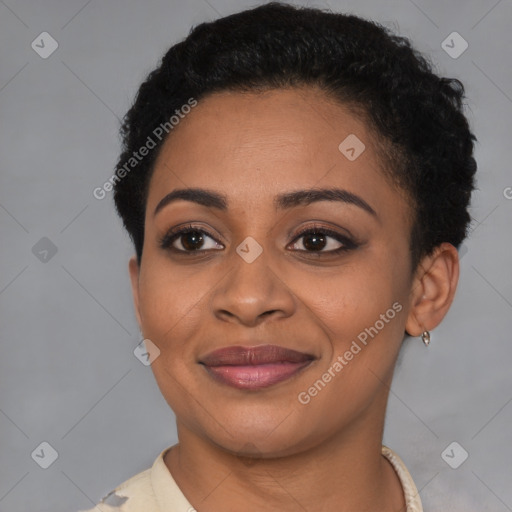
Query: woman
pixel 296 186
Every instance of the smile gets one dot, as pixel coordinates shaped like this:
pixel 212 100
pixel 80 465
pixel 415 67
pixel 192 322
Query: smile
pixel 254 368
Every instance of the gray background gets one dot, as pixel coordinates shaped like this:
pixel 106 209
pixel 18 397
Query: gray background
pixel 68 375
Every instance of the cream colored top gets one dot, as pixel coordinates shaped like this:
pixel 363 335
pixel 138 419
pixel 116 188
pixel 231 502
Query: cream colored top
pixel 154 490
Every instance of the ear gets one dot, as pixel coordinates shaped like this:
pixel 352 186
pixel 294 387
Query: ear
pixel 433 289
pixel 134 269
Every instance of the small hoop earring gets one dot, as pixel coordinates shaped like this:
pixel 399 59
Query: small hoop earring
pixel 425 337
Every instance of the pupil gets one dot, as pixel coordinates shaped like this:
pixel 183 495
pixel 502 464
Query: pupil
pixel 318 242
pixel 190 240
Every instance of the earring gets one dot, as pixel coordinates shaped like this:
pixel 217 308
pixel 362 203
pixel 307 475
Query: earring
pixel 425 336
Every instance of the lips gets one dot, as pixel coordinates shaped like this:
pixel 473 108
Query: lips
pixel 254 367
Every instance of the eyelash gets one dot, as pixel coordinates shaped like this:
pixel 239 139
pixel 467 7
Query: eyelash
pixel 348 244
pixel 168 239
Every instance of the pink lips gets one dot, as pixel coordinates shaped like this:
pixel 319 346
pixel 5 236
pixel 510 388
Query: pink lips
pixel 254 367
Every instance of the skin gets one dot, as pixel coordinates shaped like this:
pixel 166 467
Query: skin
pixel 264 450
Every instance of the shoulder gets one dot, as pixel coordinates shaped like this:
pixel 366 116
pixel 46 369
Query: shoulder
pixel 152 490
pixel 411 494
pixel 133 495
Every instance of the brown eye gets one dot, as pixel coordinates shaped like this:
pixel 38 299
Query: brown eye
pixel 314 241
pixel 189 239
pixel 322 241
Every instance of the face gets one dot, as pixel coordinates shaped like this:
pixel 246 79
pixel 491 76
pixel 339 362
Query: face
pixel 278 312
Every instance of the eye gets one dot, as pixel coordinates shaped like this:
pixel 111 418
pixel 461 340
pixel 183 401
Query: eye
pixel 322 240
pixel 188 239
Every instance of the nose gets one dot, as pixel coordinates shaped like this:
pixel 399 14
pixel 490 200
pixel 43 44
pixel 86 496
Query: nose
pixel 252 293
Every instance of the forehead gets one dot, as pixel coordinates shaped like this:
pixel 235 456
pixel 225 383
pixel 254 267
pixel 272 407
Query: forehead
pixel 253 146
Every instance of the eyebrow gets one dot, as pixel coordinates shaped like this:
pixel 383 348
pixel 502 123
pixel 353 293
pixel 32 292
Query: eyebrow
pixel 287 200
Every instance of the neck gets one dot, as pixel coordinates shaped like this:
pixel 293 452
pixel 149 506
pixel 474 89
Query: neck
pixel 346 472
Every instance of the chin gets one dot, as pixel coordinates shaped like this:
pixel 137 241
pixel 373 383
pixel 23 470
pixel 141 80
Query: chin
pixel 260 434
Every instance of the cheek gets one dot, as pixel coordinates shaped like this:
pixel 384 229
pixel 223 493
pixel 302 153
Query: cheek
pixel 172 305
pixel 169 299
pixel 362 313
pixel 350 299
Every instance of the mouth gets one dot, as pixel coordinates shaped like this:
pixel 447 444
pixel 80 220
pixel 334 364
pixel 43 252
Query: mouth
pixel 254 367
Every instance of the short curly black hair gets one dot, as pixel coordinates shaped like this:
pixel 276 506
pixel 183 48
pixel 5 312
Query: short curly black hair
pixel 417 116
